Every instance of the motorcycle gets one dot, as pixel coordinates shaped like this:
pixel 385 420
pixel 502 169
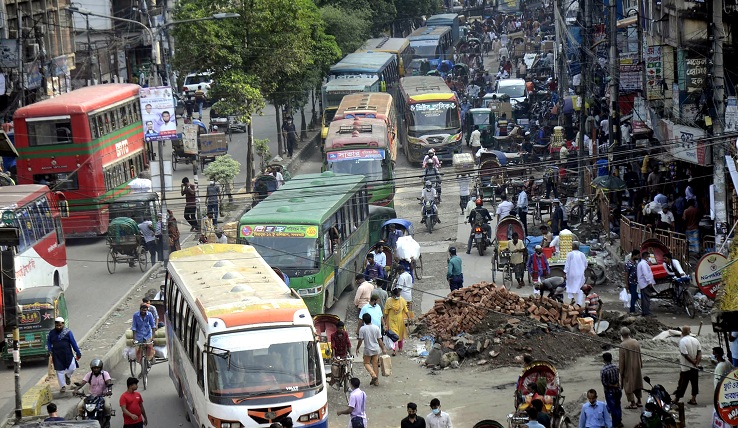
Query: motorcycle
pixel 430 216
pixel 431 174
pixel 659 411
pixel 94 407
pixel 481 240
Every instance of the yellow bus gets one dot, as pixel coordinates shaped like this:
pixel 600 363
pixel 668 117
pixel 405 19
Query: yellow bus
pixel 398 46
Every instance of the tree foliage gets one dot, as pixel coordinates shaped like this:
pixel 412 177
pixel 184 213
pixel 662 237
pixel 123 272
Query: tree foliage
pixel 410 9
pixel 350 27
pixel 237 95
pixel 223 169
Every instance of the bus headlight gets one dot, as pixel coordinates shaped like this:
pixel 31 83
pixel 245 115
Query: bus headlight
pixel 230 425
pixel 306 292
pixel 313 416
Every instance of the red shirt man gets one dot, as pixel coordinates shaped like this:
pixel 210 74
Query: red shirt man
pixel 131 402
pixel 340 341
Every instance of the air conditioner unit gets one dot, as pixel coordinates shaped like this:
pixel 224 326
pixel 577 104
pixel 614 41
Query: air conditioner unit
pixel 31 51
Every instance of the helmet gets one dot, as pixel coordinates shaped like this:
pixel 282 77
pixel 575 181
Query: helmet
pixel 431 152
pixel 215 127
pixel 478 202
pixel 428 183
pixel 96 364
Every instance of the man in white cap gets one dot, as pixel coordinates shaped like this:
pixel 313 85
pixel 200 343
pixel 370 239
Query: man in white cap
pixel 60 343
pixel 576 265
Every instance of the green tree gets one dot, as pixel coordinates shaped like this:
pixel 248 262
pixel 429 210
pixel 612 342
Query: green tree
pixel 223 170
pixel 411 9
pixel 261 147
pixel 350 27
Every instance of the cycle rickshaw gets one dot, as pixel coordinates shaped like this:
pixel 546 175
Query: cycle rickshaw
pixel 501 256
pixel 339 370
pixel 540 381
pixel 126 244
pixel 403 244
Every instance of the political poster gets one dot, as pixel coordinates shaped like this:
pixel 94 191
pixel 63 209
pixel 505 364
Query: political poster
pixel 157 113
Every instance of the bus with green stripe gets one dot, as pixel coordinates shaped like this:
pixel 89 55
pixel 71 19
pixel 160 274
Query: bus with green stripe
pixel 317 229
pixel 88 144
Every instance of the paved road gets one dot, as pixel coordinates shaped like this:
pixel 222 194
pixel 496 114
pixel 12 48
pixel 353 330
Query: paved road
pixel 93 290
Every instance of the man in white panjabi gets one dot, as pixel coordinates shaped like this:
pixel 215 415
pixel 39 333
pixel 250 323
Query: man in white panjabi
pixel 576 265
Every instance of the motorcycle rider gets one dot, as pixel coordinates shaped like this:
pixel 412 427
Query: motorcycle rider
pixel 479 213
pixel 431 159
pixel 100 383
pixel 428 194
pixel 431 165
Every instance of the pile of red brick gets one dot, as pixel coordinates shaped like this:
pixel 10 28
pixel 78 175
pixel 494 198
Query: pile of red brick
pixel 462 310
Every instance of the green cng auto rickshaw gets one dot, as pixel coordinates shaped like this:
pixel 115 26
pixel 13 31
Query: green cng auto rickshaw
pixel 39 307
pixel 138 206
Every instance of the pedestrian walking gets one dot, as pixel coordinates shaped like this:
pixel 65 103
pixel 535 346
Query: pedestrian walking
pixel 290 134
pixel 159 242
pixel 629 365
pixel 412 420
pixel 131 403
pixel 574 273
pixel 370 335
pixel 645 279
pixel 557 217
pixel 356 406
pixel 690 355
pixel 405 284
pixel 199 99
pixel 364 291
pixel 395 314
pixel 173 231
pixel 631 278
pixel 149 235
pixel 437 418
pixel 522 207
pixel 454 275
pixel 594 413
pixel 374 309
pixel 60 343
pixel 691 218
pixel 610 377
pixel 464 184
pixel 190 211
pixel 517 257
pixel 213 200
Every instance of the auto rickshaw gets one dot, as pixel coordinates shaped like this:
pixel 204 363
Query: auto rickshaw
pixel 39 307
pixel 138 206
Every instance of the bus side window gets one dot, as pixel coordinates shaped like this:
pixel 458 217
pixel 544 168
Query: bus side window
pixel 59 231
pixel 199 368
pixel 100 125
pixel 123 116
pixel 136 112
pixel 93 128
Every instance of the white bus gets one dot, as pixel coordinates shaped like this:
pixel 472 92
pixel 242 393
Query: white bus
pixel 241 343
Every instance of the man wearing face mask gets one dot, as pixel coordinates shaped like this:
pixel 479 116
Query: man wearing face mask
pixel 412 420
pixel 436 418
pixel 213 200
pixel 594 413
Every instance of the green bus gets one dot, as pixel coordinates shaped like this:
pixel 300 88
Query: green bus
pixel 291 229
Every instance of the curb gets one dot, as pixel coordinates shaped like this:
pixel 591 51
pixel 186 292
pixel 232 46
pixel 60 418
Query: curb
pixel 109 356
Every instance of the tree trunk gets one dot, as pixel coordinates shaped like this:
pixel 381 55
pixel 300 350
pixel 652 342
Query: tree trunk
pixel 250 156
pixel 280 143
pixel 303 125
pixel 313 116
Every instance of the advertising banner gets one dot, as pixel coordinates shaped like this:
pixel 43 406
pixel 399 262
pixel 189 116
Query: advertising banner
pixel 189 139
pixel 157 112
pixel 630 72
pixel 654 72
pixel 709 273
pixel 696 73
pixel 726 399
pixel 731 115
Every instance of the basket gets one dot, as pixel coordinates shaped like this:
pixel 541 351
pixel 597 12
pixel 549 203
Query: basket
pixel 548 252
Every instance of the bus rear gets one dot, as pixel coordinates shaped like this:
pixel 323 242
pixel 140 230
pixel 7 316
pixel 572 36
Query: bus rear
pixel 432 118
pixel 87 143
pixel 333 92
pixel 431 43
pixel 400 47
pixel 242 344
pixel 362 147
pixel 41 259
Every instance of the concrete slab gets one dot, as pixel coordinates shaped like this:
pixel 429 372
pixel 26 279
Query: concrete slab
pixel 34 400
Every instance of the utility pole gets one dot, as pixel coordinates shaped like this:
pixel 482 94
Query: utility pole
pixel 560 52
pixel 89 51
pixel 585 60
pixel 716 33
pixel 614 120
pixel 21 85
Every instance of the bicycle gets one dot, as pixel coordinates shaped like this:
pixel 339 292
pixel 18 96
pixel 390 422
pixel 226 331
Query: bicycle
pixel 145 363
pixel 345 371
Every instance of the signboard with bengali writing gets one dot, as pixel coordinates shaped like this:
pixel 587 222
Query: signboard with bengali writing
pixel 630 72
pixel 709 274
pixel 355 154
pixel 278 231
pixel 726 398
pixel 654 71
pixel 696 73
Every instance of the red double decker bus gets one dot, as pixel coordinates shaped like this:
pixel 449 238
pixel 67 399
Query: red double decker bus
pixel 87 143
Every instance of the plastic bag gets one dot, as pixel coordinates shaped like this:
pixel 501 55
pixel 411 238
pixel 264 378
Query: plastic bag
pixel 388 343
pixel 625 297
pixel 408 248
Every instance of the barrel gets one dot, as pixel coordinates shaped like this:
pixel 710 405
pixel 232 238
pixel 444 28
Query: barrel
pixel 487 423
pixel 585 249
pixel 548 252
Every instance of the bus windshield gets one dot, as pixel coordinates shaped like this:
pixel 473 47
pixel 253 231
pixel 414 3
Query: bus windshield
pixel 263 362
pixel 372 169
pixel 287 252
pixel 434 116
pixel 427 50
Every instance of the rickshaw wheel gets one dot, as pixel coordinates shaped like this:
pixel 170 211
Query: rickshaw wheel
pixel 142 260
pixel 418 268
pixel 507 276
pixel 174 160
pixel 494 265
pixel 111 261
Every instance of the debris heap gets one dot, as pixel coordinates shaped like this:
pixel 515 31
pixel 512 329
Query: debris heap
pixel 465 308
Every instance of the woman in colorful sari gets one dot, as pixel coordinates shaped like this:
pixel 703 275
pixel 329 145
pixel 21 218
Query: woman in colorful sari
pixel 395 313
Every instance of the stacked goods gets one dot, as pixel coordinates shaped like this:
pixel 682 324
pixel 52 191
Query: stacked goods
pixel 160 338
pixel 463 309
pixel 463 163
pixel 565 240
pixel 230 230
